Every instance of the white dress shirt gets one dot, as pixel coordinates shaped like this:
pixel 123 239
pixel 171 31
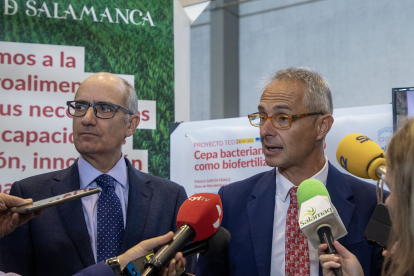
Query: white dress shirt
pixel 283 185
pixel 87 175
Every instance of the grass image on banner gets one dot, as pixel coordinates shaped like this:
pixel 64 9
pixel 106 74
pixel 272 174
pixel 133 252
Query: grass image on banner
pixel 145 51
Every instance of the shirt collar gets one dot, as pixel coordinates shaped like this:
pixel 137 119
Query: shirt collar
pixel 87 173
pixel 283 185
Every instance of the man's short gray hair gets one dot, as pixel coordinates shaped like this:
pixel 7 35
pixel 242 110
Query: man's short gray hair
pixel 318 97
pixel 130 99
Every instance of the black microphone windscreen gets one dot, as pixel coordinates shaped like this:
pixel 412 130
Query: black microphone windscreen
pixel 217 242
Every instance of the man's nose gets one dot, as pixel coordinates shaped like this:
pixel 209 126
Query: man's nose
pixel 89 117
pixel 268 128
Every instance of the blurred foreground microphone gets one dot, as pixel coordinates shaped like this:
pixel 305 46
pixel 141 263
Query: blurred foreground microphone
pixel 198 218
pixel 208 248
pixel 361 156
pixel 318 218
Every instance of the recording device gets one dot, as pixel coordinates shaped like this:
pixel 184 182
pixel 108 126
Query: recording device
pixel 378 229
pixel 208 248
pixel 318 218
pixel 362 157
pixel 199 218
pixel 54 200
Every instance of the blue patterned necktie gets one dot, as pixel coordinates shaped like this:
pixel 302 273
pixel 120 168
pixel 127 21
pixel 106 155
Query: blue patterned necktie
pixel 110 219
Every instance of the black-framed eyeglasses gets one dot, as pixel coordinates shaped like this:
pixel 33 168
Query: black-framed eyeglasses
pixel 101 110
pixel 278 121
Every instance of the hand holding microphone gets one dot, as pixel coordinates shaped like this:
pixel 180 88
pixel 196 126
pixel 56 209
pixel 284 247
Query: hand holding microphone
pixel 145 247
pixel 198 218
pixel 345 260
pixel 318 218
pixel 208 248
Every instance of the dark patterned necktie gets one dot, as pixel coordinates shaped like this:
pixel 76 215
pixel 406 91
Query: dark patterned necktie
pixel 110 219
pixel 296 243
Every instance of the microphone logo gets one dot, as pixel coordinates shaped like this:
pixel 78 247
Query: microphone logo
pixel 343 162
pixel 363 139
pixel 218 222
pixel 310 212
pixel 313 216
pixel 198 198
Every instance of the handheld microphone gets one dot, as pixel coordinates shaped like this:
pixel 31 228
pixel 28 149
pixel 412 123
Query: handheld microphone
pixel 208 248
pixel 318 218
pixel 198 218
pixel 361 156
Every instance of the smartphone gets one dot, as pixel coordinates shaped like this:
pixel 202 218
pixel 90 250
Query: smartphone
pixel 51 201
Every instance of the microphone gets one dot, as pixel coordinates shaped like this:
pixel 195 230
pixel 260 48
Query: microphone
pixel 318 218
pixel 208 248
pixel 361 156
pixel 199 218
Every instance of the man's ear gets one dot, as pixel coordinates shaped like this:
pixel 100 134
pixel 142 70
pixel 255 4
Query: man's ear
pixel 132 125
pixel 324 125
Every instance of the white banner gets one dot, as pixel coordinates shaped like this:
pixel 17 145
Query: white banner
pixel 206 155
pixel 209 154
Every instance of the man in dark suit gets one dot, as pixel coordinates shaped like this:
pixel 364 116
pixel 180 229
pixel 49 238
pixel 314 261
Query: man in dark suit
pixel 72 236
pixel 10 221
pixel 294 116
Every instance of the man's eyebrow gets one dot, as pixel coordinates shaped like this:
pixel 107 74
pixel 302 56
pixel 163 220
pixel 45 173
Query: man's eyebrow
pixel 276 107
pixel 81 101
pixel 103 102
pixel 98 102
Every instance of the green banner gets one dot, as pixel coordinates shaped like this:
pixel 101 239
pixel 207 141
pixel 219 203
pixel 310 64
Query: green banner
pixel 121 37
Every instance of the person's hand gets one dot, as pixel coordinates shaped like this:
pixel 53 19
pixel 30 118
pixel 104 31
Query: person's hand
pixel 175 265
pixel 385 252
pixel 346 260
pixel 146 247
pixel 8 220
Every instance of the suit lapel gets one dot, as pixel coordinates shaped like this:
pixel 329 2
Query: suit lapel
pixel 139 199
pixel 261 214
pixel 71 214
pixel 341 194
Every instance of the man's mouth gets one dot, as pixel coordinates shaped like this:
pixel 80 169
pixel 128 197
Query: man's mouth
pixel 274 148
pixel 88 133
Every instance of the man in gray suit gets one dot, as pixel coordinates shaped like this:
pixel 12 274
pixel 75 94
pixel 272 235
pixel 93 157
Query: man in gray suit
pixel 69 237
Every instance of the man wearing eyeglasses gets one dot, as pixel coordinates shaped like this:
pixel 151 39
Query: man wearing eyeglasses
pixel 133 206
pixel 294 116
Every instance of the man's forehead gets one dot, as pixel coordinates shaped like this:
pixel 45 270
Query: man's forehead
pixel 264 106
pixel 282 95
pixel 284 85
pixel 101 85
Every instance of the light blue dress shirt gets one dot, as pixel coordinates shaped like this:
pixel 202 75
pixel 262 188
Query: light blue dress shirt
pixel 87 175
